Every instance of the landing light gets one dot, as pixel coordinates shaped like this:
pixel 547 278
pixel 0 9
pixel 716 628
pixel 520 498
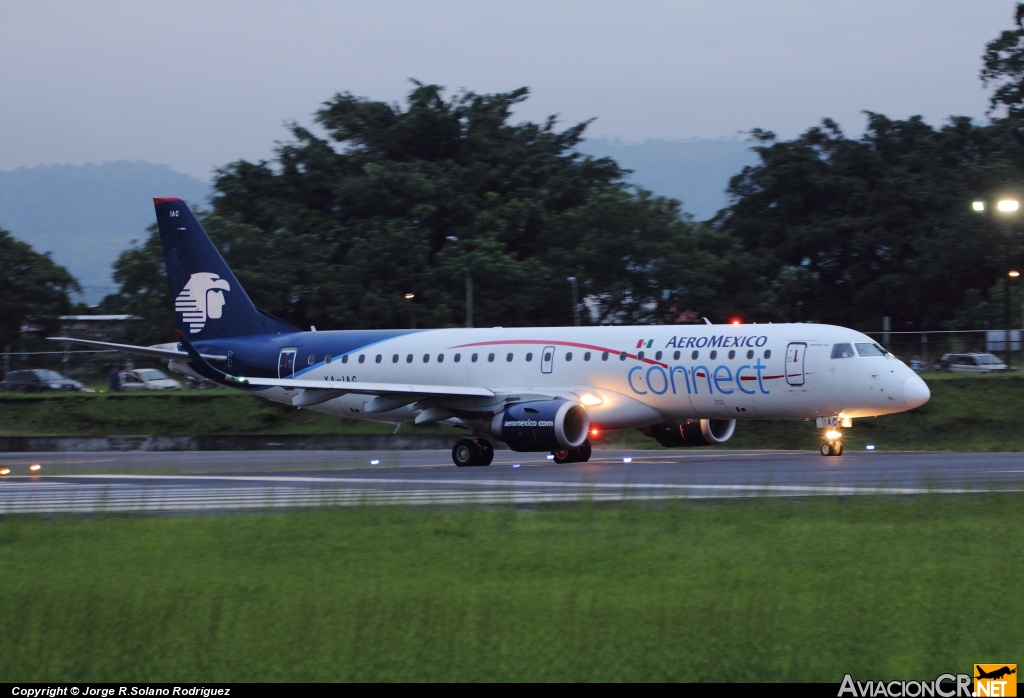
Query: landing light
pixel 5 471
pixel 550 456
pixel 34 467
pixel 375 462
pixel 870 447
pixel 978 205
pixel 833 434
pixel 627 459
pixel 515 465
pixel 589 399
pixel 1008 205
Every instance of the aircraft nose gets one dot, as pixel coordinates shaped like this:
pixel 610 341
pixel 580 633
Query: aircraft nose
pixel 915 391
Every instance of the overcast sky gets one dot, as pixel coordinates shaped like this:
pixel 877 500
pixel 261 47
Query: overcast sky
pixel 197 84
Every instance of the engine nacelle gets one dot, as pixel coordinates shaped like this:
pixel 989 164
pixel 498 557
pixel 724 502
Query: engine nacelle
pixel 692 432
pixel 542 425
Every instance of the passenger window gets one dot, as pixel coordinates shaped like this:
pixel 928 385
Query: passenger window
pixel 529 356
pixel 586 356
pixel 490 357
pixel 457 358
pixel 604 356
pixel 675 355
pixel 408 359
pixel 568 356
pixel 440 358
pixel 344 359
pixel 750 353
pixel 509 357
pixel 327 359
pixel 426 358
pixel 842 351
pixel 657 357
pixel 474 358
pixel 362 358
pixel 622 356
pixel 714 354
pixel 694 355
pixel 547 356
pixel 767 353
pixel 394 359
pixel 379 357
pixel 640 355
pixel 732 353
pixel 311 360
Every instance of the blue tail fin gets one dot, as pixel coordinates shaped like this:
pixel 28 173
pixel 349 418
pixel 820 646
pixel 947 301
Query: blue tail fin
pixel 208 300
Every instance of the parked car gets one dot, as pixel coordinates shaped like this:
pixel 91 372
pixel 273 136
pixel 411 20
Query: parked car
pixel 39 380
pixel 972 362
pixel 147 379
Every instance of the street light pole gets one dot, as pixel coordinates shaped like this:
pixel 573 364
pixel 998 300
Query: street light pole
pixel 1005 207
pixel 469 279
pixel 412 310
pixel 575 301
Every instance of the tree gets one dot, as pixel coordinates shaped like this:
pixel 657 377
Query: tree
pixel 36 289
pixel 849 231
pixel 1004 68
pixel 341 225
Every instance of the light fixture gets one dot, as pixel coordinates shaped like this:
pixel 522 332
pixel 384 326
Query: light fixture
pixel 978 206
pixel 1008 205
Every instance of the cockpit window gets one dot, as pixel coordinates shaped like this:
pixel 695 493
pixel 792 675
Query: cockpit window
pixel 842 351
pixel 870 349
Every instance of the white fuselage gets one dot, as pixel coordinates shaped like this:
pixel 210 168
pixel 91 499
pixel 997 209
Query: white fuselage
pixel 624 376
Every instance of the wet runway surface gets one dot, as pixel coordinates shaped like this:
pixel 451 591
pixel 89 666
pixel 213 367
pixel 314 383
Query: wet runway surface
pixel 254 480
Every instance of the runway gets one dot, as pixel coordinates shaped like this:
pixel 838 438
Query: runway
pixel 267 480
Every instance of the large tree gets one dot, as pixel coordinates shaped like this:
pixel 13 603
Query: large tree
pixel 35 289
pixel 375 201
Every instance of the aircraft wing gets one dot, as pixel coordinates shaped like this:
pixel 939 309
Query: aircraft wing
pixel 144 351
pixel 361 388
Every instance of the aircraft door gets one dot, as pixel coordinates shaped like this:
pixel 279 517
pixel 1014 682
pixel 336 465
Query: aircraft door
pixel 795 354
pixel 286 364
pixel 547 359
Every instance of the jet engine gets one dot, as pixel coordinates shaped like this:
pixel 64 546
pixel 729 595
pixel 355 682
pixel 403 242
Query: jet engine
pixel 542 425
pixel 692 432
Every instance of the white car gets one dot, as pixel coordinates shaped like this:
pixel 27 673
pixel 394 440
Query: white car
pixel 147 379
pixel 973 363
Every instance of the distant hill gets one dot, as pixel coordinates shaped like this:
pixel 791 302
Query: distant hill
pixel 86 215
pixel 694 171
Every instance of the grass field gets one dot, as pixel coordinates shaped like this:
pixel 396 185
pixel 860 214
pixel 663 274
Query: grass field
pixel 752 591
pixel 966 413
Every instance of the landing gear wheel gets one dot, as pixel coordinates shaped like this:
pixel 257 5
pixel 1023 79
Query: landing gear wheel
pixel 583 452
pixel 834 448
pixel 486 452
pixel 466 453
pixel 580 454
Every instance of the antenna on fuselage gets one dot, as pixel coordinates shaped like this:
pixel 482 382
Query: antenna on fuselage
pixel 706 321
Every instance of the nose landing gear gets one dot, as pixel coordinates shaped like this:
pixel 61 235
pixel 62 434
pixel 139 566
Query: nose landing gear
pixel 832 445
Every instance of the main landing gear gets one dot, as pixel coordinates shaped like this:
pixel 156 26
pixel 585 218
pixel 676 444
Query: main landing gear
pixel 470 452
pixel 580 454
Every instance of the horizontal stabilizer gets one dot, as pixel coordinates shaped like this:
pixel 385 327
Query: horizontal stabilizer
pixel 142 351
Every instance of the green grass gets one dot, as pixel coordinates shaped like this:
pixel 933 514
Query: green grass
pixel 755 591
pixel 965 413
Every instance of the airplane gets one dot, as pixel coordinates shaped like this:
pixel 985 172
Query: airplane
pixel 995 673
pixel 535 389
